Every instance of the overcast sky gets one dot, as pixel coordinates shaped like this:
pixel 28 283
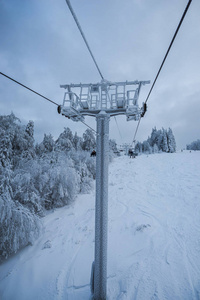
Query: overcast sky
pixel 41 47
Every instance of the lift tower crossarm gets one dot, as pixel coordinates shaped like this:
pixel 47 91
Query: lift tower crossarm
pixel 103 82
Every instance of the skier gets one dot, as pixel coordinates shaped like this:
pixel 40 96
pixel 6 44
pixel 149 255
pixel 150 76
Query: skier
pixel 93 153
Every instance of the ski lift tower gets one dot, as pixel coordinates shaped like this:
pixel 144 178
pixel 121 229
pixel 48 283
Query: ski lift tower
pixel 102 101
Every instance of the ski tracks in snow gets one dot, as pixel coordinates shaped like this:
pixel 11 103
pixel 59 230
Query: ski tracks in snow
pixel 71 282
pixel 153 238
pixel 150 199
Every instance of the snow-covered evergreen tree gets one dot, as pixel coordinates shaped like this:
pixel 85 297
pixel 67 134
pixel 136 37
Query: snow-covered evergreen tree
pixel 48 143
pixel 77 142
pixel 138 147
pixel 113 146
pixel 8 127
pixel 89 141
pixel 153 139
pixel 163 141
pixel 64 141
pixel 146 147
pixel 160 140
pixel 171 141
pixel 194 145
pixel 155 148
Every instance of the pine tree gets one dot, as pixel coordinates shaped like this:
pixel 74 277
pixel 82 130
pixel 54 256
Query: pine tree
pixel 163 143
pixel 194 145
pixel 113 146
pixel 155 148
pixel 146 147
pixel 89 141
pixel 65 141
pixel 171 141
pixel 153 138
pixel 160 140
pixel 48 143
pixel 138 147
pixel 77 142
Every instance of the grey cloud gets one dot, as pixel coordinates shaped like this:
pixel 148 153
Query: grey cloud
pixel 42 48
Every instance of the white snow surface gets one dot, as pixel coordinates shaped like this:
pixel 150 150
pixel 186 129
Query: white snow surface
pixel 153 237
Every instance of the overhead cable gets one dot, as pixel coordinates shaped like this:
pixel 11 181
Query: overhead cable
pixel 39 95
pixel 118 127
pixel 136 132
pixel 172 41
pixel 28 88
pixel 83 36
pixel 89 127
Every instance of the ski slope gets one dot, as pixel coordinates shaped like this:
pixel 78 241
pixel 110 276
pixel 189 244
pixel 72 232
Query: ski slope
pixel 153 237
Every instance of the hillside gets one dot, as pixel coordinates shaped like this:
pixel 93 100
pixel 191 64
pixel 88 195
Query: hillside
pixel 153 238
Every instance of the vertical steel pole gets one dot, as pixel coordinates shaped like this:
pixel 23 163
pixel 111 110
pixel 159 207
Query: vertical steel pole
pixel 101 209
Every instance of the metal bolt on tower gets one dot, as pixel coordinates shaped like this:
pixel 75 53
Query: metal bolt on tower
pixel 102 100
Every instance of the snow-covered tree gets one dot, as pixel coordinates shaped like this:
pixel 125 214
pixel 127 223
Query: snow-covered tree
pixel 113 146
pixel 155 148
pixel 5 148
pixel 8 126
pixel 36 178
pixel 89 141
pixel 146 147
pixel 77 142
pixel 163 141
pixel 48 143
pixel 64 141
pixel 194 145
pixel 18 226
pixel 160 140
pixel 138 147
pixel 30 130
pixel 171 141
pixel 23 142
pixel 153 139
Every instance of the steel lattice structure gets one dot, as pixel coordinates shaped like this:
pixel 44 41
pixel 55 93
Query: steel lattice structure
pixel 114 98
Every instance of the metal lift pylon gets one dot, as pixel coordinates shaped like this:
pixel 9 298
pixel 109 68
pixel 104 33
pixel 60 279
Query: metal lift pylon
pixel 101 100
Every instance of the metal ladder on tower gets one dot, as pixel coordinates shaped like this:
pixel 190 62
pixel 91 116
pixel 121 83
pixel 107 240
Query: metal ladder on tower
pixel 103 99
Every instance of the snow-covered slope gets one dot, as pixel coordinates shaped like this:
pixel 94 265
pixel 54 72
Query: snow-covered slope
pixel 153 238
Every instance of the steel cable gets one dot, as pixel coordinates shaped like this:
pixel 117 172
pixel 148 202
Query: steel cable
pixel 83 36
pixel 169 48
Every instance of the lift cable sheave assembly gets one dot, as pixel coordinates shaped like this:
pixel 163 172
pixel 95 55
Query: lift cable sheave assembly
pixel 168 50
pixel 114 98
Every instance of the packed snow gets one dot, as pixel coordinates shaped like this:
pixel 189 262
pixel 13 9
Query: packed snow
pixel 153 237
